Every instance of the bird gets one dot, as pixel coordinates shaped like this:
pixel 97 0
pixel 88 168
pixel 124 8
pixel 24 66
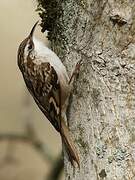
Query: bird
pixel 47 80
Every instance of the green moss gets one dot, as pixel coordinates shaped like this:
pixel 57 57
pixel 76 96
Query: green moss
pixel 58 22
pixel 49 11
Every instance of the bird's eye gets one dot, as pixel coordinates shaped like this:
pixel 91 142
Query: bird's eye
pixel 30 47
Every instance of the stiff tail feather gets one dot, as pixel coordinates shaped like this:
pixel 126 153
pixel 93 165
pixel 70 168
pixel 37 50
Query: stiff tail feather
pixel 69 144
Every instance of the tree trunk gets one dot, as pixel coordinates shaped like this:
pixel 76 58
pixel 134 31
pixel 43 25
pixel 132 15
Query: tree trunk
pixel 102 106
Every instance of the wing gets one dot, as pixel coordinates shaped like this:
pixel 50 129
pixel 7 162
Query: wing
pixel 43 84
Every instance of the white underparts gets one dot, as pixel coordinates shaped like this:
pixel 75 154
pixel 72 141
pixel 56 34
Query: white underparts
pixel 47 55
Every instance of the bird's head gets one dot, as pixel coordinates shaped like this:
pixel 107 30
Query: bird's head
pixel 27 45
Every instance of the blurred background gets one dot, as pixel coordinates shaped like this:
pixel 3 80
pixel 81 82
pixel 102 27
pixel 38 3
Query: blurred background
pixel 29 145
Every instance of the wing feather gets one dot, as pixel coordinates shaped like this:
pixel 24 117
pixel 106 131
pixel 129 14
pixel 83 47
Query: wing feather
pixel 43 83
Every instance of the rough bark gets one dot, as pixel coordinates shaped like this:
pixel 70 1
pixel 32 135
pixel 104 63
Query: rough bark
pixel 102 106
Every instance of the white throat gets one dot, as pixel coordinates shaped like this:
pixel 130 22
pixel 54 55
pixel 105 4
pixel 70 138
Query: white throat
pixel 40 48
pixel 47 55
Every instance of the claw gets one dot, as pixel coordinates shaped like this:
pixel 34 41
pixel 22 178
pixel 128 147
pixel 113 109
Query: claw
pixel 76 70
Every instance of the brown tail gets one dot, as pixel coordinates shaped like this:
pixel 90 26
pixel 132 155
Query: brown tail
pixel 68 142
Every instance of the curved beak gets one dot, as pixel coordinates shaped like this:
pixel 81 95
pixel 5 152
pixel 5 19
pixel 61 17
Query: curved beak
pixel 33 29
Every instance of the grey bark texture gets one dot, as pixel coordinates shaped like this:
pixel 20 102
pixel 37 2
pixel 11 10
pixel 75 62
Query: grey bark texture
pixel 101 114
